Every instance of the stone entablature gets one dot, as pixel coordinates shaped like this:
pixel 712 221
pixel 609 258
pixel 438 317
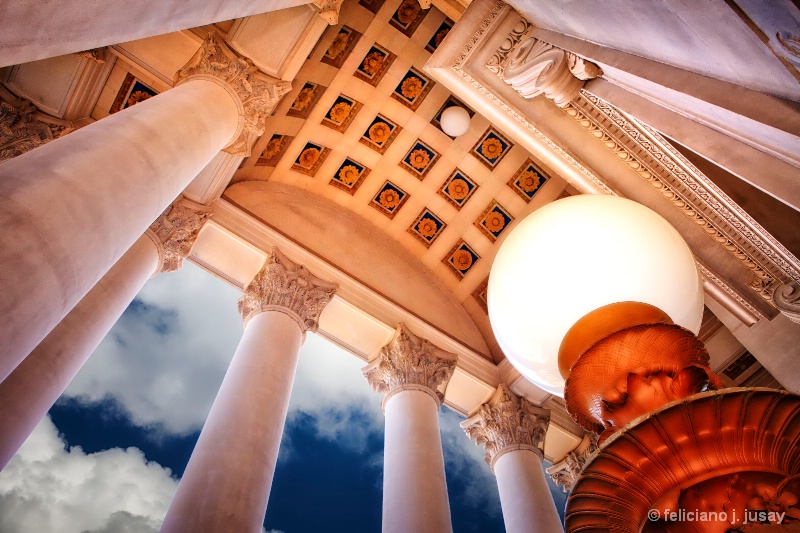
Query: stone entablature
pixel 175 231
pixel 256 93
pixel 410 362
pixel 287 287
pixel 506 423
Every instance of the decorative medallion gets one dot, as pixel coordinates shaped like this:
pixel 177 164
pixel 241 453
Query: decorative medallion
pixel 439 36
pixel 408 17
pixel 427 227
pixel 380 134
pixel 341 113
pixel 412 89
pixel 481 295
pixel 420 159
pixel 493 221
pixel 457 189
pixel 374 65
pixel 131 93
pixel 274 150
pixel 461 259
pixel 450 102
pixel 349 176
pixel 341 46
pixel 491 149
pixel 527 180
pixel 305 100
pixel 310 159
pixel 372 5
pixel 389 200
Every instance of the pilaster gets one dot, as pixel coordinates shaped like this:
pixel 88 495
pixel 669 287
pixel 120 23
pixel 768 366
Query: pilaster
pixel 256 93
pixel 506 423
pixel 409 362
pixel 287 287
pixel 175 231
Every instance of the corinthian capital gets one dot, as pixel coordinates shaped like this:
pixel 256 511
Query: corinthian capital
pixel 287 287
pixel 329 10
pixel 257 93
pixel 175 231
pixel 540 68
pixel 567 471
pixel 410 362
pixel 507 422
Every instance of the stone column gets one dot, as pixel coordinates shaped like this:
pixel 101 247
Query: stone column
pixel 410 371
pixel 512 430
pixel 227 482
pixel 70 208
pixel 34 386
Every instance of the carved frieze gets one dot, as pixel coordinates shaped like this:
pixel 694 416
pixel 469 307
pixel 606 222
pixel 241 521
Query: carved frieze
pixel 410 362
pixel 257 92
pixel 175 231
pixel 287 287
pixel 507 422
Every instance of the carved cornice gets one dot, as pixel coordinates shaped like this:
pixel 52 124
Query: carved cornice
pixel 257 93
pixel 456 67
pixel 689 190
pixel 410 362
pixel 287 287
pixel 497 62
pixel 540 68
pixel 567 471
pixel 754 314
pixel 329 10
pixel 506 423
pixel 175 231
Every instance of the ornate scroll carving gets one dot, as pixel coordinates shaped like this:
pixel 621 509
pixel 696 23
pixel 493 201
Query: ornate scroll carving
pixel 98 55
pixel 567 471
pixel 175 231
pixel 507 422
pixel 329 10
pixel 257 92
pixel 497 62
pixel 787 299
pixel 287 287
pixel 656 161
pixel 540 68
pixel 410 362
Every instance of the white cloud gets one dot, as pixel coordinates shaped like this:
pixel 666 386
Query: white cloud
pixel 46 488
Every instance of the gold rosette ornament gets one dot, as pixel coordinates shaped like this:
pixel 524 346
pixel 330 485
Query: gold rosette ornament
pixel 372 63
pixel 379 132
pixel 408 11
pixel 348 174
pixel 309 157
pixel 389 199
pixel 427 227
pixel 494 221
pixel 138 96
pixel 339 112
pixel 462 259
pixel 528 181
pixel 458 189
pixel 273 147
pixel 492 148
pixel 440 36
pixel 411 87
pixel 303 99
pixel 338 45
pixel 419 159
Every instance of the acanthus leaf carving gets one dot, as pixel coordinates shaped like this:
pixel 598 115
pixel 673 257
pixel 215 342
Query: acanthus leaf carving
pixel 175 231
pixel 257 92
pixel 507 422
pixel 567 471
pixel 329 10
pixel 284 286
pixel 409 361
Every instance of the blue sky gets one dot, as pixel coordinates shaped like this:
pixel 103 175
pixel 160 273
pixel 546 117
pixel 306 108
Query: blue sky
pixel 108 456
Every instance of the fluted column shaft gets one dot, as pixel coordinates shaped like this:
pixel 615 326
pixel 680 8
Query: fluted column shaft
pixel 71 208
pixel 36 383
pixel 410 371
pixel 226 484
pixel 512 430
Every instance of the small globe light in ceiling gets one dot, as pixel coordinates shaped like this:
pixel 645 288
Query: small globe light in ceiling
pixel 455 121
pixel 574 256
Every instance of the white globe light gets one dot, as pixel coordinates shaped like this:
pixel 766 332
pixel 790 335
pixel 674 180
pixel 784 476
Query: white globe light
pixel 455 121
pixel 575 255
